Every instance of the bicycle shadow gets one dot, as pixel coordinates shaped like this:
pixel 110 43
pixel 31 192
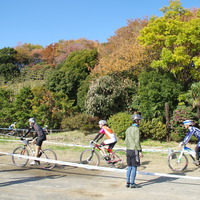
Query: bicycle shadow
pixel 23 180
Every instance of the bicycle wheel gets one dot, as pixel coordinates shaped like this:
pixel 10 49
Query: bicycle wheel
pixel 20 162
pixel 119 159
pixel 48 154
pixel 177 162
pixel 90 157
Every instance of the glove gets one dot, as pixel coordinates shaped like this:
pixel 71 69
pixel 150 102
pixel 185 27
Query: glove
pixel 181 144
pixel 91 142
pixel 21 138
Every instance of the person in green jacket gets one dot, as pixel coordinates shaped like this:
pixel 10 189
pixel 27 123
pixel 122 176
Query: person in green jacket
pixel 133 151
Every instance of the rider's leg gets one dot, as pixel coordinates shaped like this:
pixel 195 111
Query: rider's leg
pixel 197 150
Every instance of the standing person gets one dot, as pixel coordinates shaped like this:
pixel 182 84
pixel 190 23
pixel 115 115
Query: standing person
pixel 133 151
pixel 40 136
pixel 192 130
pixel 111 137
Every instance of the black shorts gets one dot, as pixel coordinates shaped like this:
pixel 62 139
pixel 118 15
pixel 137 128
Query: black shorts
pixel 40 140
pixel 110 146
pixel 133 158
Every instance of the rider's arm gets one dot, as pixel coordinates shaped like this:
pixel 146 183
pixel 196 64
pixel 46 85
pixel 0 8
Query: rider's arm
pixel 98 137
pixel 29 130
pixel 187 137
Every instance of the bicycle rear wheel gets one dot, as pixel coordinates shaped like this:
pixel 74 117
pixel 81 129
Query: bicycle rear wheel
pixel 89 157
pixel 48 154
pixel 20 162
pixel 177 162
pixel 119 159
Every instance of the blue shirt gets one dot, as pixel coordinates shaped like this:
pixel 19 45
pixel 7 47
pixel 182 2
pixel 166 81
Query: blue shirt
pixel 192 131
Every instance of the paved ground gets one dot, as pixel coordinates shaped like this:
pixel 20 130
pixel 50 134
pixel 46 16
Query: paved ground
pixel 69 183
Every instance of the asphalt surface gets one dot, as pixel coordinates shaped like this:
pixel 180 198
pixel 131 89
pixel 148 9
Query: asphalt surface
pixel 71 183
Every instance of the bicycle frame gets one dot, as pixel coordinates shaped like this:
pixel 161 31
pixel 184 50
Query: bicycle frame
pixel 27 145
pixel 191 152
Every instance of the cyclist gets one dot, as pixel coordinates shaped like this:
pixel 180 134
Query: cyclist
pixel 39 137
pixel 189 124
pixel 12 126
pixel 111 137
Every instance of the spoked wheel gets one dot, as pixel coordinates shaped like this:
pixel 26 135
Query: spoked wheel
pixel 119 159
pixel 48 154
pixel 19 161
pixel 177 162
pixel 90 157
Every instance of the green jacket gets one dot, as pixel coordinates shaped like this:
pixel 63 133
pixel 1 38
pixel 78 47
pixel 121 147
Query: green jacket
pixel 132 139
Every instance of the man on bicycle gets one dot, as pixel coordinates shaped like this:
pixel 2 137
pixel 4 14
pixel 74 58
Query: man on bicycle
pixel 111 137
pixel 189 124
pixel 40 136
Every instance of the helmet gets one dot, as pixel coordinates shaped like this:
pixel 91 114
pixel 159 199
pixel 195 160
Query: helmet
pixel 136 117
pixel 31 120
pixel 102 122
pixel 188 122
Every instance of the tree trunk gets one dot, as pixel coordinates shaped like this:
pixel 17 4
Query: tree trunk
pixel 168 137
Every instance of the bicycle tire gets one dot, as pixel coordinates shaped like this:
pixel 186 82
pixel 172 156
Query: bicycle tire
pixel 48 154
pixel 119 159
pixel 90 157
pixel 20 162
pixel 177 164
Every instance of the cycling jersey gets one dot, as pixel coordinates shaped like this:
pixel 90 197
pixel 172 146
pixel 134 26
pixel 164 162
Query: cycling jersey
pixel 192 131
pixel 108 133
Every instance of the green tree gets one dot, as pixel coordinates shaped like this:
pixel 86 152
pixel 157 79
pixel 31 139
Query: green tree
pixel 23 107
pixel 155 89
pixel 175 40
pixel 72 72
pixel 6 105
pixel 108 95
pixel 8 55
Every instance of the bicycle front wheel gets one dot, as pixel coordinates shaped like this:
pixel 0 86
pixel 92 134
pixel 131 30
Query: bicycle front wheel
pixel 19 161
pixel 90 157
pixel 48 154
pixel 177 162
pixel 119 159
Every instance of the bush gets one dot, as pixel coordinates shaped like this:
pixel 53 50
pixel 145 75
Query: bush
pixel 119 123
pixel 154 129
pixel 80 122
pixel 181 114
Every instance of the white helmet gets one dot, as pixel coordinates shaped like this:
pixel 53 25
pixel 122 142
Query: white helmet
pixel 136 117
pixel 102 122
pixel 188 122
pixel 32 120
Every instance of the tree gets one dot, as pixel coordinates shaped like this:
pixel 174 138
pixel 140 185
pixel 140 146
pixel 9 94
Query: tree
pixel 108 95
pixel 123 52
pixel 155 89
pixel 9 71
pixel 8 55
pixel 6 105
pixel 69 76
pixel 175 41
pixel 23 107
pixel 191 98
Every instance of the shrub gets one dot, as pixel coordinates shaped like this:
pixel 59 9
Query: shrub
pixel 119 123
pixel 80 122
pixel 153 129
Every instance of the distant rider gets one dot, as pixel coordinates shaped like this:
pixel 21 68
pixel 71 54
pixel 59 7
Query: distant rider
pixel 40 136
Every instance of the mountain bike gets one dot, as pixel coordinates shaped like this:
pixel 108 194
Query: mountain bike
pixel 26 150
pixel 178 161
pixel 116 159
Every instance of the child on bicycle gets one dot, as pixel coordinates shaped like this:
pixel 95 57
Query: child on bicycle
pixel 111 137
pixel 40 136
pixel 189 124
